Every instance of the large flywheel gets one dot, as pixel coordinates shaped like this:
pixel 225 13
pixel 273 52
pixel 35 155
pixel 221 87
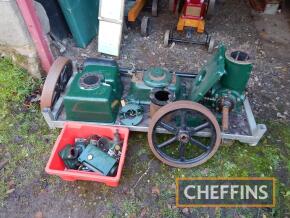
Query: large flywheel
pixel 56 81
pixel 193 135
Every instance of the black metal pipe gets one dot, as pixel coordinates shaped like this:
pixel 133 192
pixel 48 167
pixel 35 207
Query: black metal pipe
pixel 126 70
pixel 187 41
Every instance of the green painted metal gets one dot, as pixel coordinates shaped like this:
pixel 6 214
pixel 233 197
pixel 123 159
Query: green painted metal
pixel 225 76
pixel 110 70
pixel 70 157
pixel 139 93
pixel 82 19
pixel 238 71
pixel 157 77
pixel 140 89
pixel 209 75
pixel 94 94
pixel 131 114
pixel 98 161
pixel 235 97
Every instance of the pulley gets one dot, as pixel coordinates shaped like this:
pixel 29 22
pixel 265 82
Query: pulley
pixel 131 114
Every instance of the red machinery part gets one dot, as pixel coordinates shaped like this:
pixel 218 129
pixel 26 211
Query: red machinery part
pixel 194 9
pixel 33 24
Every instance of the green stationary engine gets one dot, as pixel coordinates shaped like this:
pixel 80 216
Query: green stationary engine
pixel 198 110
pixel 95 92
pixel 230 91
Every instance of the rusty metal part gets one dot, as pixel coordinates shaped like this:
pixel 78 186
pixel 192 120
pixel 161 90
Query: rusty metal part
pixel 184 105
pixel 159 98
pixel 225 119
pixel 50 85
pixel 154 108
pixel 225 105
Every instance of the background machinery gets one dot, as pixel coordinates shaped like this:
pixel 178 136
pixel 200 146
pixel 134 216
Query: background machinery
pixel 134 7
pixel 192 15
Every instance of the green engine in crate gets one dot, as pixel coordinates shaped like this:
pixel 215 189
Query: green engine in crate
pixel 98 161
pixel 95 92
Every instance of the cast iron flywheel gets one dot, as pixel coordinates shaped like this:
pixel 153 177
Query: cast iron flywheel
pixel 193 137
pixel 56 81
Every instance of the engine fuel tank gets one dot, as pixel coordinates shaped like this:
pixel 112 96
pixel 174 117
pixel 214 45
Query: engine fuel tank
pixel 95 93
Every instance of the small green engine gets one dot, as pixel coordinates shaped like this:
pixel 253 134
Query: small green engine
pixel 95 93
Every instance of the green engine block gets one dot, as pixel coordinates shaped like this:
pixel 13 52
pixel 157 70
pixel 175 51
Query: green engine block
pixel 142 84
pixel 95 93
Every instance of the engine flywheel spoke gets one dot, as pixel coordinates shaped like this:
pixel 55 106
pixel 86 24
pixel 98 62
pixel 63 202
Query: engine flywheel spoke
pixel 167 126
pixel 168 142
pixel 199 144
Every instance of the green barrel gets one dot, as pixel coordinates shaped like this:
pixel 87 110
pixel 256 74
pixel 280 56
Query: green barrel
pixel 82 19
pixel 238 67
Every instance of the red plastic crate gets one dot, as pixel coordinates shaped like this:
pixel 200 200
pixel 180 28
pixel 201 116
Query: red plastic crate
pixel 72 130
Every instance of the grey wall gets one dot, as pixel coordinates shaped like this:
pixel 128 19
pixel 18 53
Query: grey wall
pixel 15 38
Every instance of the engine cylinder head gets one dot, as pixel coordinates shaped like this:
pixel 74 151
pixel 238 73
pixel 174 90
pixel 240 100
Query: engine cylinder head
pixel 238 66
